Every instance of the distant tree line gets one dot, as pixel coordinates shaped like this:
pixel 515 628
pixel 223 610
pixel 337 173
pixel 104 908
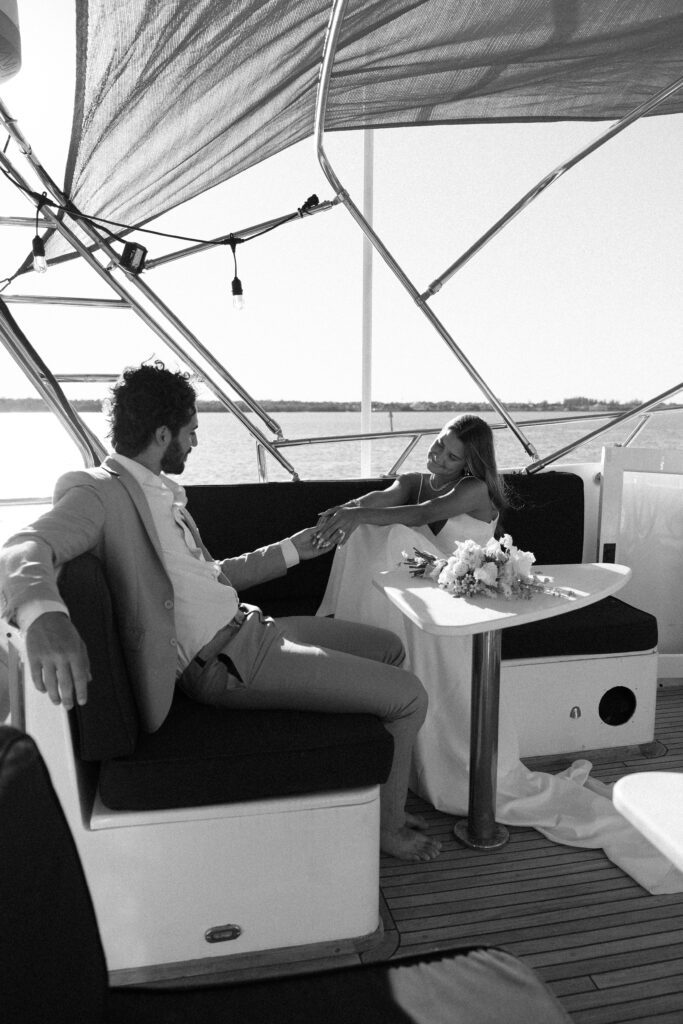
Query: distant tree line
pixel 579 403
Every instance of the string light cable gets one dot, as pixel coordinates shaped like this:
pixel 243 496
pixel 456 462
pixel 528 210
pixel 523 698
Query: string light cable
pixel 132 259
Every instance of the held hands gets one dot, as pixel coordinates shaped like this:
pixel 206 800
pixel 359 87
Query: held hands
pixel 305 543
pixel 336 525
pixel 58 659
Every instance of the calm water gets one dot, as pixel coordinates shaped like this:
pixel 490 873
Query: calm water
pixel 37 449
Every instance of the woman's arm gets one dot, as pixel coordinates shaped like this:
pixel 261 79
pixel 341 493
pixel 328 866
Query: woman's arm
pixel 403 491
pixel 469 496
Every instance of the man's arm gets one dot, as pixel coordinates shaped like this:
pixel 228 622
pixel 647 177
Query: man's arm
pixel 29 596
pixel 269 562
pixel 58 659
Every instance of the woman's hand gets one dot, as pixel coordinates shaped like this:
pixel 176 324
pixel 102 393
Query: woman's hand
pixel 336 525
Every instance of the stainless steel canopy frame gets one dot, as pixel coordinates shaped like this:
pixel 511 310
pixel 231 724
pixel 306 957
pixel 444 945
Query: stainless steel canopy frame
pixel 47 387
pixel 43 378
pixel 129 300
pixel 329 52
pixel 420 299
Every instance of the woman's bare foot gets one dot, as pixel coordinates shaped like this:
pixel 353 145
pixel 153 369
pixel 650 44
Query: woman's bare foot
pixel 409 844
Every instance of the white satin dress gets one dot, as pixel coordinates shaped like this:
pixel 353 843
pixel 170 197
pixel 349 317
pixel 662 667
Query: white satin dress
pixel 569 808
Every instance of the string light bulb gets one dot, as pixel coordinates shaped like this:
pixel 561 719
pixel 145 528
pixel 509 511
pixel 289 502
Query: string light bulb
pixel 39 261
pixel 237 292
pixel 38 246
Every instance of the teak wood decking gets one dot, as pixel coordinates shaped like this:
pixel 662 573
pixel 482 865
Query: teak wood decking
pixel 609 950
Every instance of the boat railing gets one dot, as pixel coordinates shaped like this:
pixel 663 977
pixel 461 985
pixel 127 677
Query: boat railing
pixel 642 413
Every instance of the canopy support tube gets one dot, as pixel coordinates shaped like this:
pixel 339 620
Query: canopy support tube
pixel 329 50
pixel 63 300
pixel 158 329
pixel 105 247
pixel 244 234
pixel 33 367
pixel 535 467
pixel 548 180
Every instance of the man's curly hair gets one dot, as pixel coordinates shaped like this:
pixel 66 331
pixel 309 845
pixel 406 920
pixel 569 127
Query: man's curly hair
pixel 142 400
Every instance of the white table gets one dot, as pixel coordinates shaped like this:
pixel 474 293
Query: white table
pixel 483 617
pixel 653 803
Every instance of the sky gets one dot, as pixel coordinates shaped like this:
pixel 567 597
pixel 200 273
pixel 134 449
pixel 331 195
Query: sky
pixel 579 295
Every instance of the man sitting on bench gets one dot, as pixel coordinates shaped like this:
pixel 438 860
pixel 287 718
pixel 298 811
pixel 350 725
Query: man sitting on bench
pixel 179 611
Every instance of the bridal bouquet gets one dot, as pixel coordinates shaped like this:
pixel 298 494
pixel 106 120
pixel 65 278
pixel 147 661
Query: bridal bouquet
pixel 496 569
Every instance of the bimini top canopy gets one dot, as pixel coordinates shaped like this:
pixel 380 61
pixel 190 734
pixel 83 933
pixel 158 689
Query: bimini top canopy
pixel 175 97
pixel 10 43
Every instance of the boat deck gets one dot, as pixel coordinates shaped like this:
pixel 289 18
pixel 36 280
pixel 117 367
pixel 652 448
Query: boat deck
pixel 609 950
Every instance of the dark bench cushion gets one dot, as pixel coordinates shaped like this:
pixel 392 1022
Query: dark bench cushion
pixel 203 755
pixel 108 724
pixel 608 627
pixel 545 515
pixel 235 518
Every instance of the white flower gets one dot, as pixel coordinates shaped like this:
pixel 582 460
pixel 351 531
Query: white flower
pixel 522 561
pixel 487 574
pixel 496 569
pixel 451 571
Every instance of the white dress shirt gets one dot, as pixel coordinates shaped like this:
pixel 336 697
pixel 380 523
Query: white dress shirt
pixel 203 602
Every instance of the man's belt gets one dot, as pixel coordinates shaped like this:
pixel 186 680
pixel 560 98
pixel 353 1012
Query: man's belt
pixel 223 636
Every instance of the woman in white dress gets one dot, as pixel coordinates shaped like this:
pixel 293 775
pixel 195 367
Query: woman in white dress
pixel 460 498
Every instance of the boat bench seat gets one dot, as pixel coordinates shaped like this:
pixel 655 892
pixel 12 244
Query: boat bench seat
pixel 578 681
pixel 203 755
pixel 546 517
pixel 259 831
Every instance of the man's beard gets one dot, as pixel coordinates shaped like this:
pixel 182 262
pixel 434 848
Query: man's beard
pixel 173 460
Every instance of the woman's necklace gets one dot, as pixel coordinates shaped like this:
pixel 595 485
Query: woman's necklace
pixel 432 478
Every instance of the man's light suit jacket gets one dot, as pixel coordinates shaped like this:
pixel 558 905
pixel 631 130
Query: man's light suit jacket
pixel 104 510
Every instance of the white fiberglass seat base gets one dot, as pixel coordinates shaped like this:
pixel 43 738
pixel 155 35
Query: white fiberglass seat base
pixel 284 873
pixel 562 705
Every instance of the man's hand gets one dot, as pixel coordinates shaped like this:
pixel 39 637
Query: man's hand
pixel 58 659
pixel 303 541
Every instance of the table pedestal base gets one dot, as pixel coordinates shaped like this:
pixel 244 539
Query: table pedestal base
pixel 481 831
pixel 463 834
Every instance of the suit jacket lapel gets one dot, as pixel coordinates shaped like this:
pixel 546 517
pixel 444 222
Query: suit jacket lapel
pixel 139 500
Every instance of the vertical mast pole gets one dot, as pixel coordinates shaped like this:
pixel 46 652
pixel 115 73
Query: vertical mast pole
pixel 366 358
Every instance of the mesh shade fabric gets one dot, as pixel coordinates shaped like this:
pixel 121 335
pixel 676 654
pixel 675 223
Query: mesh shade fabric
pixel 173 98
pixel 10 42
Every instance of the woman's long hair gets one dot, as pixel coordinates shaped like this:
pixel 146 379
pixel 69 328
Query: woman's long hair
pixel 480 454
